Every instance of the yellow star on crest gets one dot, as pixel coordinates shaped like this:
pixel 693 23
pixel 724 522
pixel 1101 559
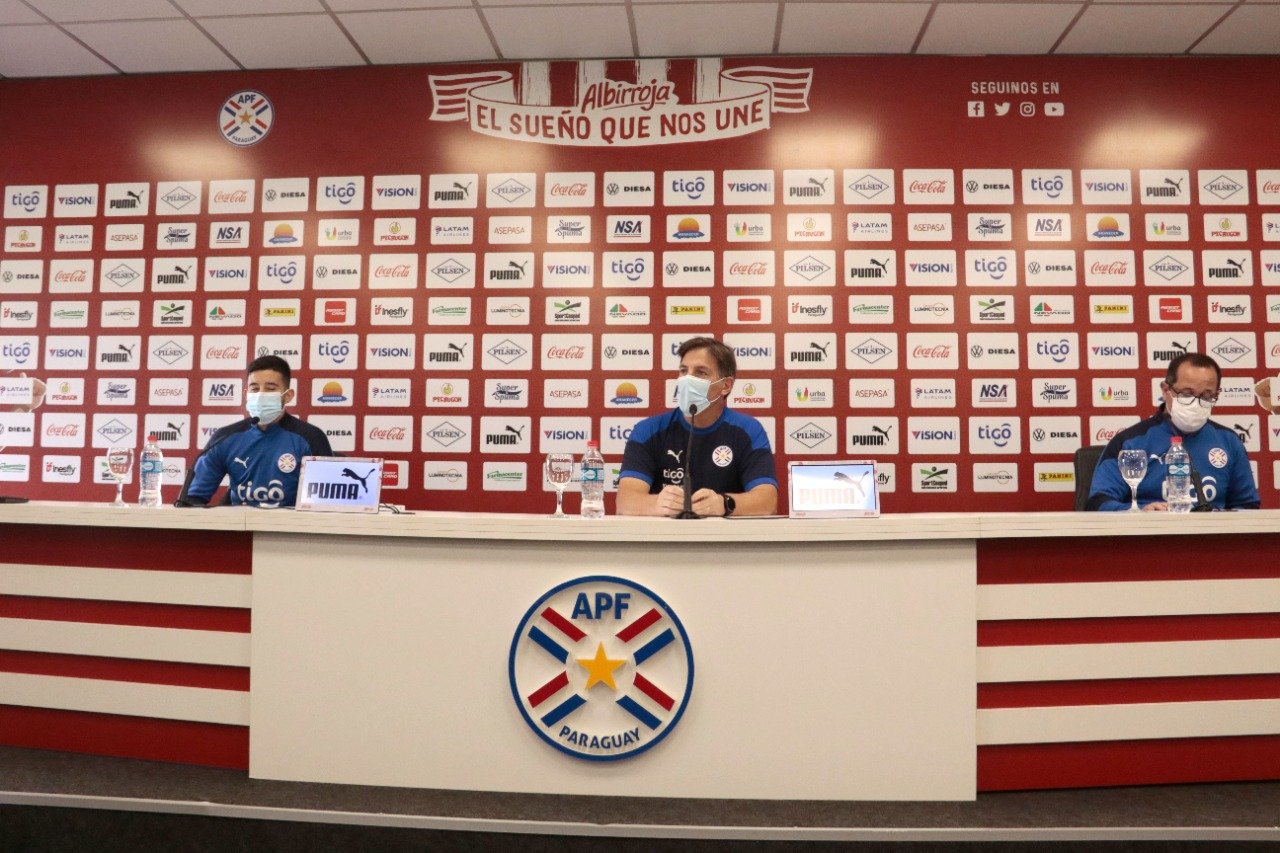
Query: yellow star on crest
pixel 245 117
pixel 600 668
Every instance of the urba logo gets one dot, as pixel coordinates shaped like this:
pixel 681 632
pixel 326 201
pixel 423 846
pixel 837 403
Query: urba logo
pixel 601 668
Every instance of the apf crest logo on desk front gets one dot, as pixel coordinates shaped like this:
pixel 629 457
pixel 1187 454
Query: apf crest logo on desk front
pixel 601 668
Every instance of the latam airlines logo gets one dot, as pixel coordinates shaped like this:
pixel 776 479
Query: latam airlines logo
pixel 619 113
pixel 601 668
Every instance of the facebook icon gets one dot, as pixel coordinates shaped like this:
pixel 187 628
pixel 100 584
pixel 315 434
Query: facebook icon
pixel 977 109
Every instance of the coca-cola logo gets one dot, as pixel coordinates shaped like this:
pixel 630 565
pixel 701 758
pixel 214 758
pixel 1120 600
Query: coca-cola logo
pixel 222 353
pixel 577 190
pixel 233 197
pixel 1104 435
pixel 1112 268
pixel 1270 188
pixel 935 351
pixel 573 352
pixel 753 268
pixel 396 271
pixel 1275 350
pixel 387 433
pixel 931 187
pixel 62 430
pixel 70 276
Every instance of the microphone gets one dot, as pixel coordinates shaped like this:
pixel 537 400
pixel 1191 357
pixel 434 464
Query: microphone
pixel 688 512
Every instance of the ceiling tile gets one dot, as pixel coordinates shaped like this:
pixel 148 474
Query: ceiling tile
pixel 993 28
pixel 45 51
pixel 1156 29
pixel 568 32
pixel 1249 29
pixel 706 29
pixel 142 47
pixel 392 5
pixel 116 10
pixel 13 12
pixel 851 27
pixel 442 35
pixel 207 8
pixel 284 41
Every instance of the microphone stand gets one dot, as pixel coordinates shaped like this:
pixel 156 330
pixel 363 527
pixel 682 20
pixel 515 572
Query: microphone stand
pixel 688 512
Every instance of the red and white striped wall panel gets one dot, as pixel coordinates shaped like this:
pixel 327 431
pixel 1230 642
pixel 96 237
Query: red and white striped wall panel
pixel 1128 660
pixel 127 642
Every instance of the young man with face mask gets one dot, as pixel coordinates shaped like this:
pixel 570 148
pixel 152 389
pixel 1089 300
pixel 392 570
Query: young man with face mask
pixel 732 470
pixel 1218 457
pixel 261 454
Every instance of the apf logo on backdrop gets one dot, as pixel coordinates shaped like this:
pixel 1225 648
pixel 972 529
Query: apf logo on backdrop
pixel 245 118
pixel 602 111
pixel 601 668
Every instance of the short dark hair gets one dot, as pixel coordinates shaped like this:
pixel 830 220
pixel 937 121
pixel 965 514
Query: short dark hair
pixel 721 354
pixel 271 362
pixel 1195 359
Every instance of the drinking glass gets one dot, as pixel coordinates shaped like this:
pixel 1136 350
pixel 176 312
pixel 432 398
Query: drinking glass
pixel 559 472
pixel 1133 467
pixel 119 463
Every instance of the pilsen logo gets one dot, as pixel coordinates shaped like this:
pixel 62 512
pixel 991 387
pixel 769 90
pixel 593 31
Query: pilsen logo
pixel 620 103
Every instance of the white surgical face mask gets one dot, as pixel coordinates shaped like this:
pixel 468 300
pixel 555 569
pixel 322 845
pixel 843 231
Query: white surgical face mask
pixel 1189 417
pixel 266 406
pixel 692 390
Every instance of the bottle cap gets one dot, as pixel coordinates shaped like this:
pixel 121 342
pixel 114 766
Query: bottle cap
pixel 593 443
pixel 151 438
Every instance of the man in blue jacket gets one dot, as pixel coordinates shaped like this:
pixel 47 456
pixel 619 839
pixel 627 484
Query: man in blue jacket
pixel 261 454
pixel 1219 464
pixel 732 468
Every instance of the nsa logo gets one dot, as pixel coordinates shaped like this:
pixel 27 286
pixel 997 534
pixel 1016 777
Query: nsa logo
pixel 601 668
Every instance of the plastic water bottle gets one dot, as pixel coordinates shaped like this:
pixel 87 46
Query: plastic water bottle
pixel 592 481
pixel 1177 477
pixel 151 470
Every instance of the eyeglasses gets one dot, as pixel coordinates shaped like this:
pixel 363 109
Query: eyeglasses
pixel 1185 397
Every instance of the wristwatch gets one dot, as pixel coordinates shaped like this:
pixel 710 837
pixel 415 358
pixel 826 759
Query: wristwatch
pixel 729 504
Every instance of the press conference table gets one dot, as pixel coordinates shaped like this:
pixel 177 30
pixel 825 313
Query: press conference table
pixel 920 657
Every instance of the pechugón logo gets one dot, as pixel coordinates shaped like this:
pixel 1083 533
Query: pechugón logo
pixel 601 668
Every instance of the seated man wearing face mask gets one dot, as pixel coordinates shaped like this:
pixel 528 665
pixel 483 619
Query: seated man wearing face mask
pixel 261 454
pixel 1220 468
pixel 731 470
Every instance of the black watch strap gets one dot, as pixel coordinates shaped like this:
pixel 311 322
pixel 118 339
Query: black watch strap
pixel 729 504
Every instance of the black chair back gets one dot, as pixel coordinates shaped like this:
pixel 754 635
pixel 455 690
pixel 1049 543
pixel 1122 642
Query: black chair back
pixel 1086 459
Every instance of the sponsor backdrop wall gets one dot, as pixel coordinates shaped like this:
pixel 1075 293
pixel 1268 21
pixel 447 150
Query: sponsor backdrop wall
pixel 961 268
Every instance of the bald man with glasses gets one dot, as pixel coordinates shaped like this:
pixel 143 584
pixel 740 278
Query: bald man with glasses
pixel 1219 463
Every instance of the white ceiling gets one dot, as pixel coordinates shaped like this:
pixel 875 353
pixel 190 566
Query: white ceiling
pixel 40 38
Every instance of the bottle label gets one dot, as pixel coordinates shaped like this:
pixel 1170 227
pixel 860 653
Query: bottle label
pixel 592 475
pixel 152 466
